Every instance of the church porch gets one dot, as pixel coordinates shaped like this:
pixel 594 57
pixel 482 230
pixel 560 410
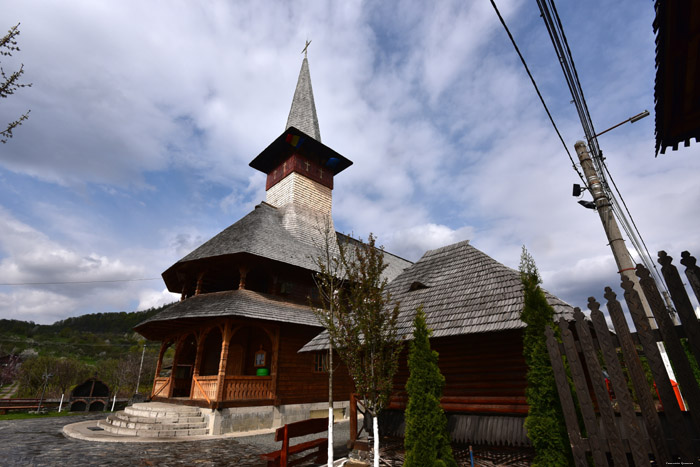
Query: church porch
pixel 225 363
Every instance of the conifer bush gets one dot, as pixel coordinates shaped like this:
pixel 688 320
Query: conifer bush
pixel 545 421
pixel 426 440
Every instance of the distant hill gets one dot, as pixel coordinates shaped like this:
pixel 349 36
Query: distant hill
pixel 99 323
pixel 88 337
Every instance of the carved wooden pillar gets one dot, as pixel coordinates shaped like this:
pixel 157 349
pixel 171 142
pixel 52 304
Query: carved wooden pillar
pixel 223 361
pixel 178 349
pixel 183 296
pixel 275 358
pixel 197 362
pixel 198 357
pixel 159 365
pixel 243 271
pixel 200 279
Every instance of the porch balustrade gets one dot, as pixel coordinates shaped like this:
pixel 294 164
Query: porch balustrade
pixel 204 388
pixel 248 388
pixel 161 386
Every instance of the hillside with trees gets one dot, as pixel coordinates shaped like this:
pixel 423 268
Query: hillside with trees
pixel 74 349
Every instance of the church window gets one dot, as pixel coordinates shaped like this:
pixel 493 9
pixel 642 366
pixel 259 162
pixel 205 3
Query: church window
pixel 321 362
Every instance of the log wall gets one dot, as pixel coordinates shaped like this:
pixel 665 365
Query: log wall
pixel 297 382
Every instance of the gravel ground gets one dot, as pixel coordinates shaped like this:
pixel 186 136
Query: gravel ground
pixel 40 442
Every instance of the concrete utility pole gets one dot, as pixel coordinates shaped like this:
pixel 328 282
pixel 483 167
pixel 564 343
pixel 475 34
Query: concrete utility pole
pixel 624 262
pixel 617 244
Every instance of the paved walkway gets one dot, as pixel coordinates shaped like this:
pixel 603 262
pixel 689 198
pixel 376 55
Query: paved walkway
pixel 41 442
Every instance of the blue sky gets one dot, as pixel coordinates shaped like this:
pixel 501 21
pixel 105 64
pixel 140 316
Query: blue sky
pixel 145 115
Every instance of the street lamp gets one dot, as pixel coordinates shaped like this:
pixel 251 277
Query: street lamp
pixel 577 188
pixel 634 119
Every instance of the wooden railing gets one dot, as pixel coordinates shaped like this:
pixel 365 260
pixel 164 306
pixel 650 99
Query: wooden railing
pixel 248 387
pixel 160 386
pixel 204 388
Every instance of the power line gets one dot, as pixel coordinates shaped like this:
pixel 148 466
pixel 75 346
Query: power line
pixel 72 344
pixel 532 79
pixel 80 282
pixel 555 29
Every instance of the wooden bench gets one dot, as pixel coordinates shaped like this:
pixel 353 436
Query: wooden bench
pixel 292 430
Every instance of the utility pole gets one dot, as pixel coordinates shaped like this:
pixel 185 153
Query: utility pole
pixel 622 257
pixel 138 380
pixel 617 243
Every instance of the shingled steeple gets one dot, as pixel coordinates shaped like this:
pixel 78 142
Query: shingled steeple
pixel 300 169
pixel 302 115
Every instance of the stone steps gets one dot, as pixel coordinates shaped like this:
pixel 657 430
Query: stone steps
pixel 156 420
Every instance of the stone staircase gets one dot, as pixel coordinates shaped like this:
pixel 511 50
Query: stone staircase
pixel 156 420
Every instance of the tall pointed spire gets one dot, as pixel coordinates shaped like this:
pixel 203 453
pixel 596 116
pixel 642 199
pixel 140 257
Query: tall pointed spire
pixel 302 115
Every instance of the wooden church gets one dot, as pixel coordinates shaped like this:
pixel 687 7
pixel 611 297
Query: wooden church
pixel 244 312
pixel 249 350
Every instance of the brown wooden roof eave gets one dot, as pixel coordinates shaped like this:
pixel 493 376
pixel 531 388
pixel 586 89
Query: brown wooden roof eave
pixel 273 155
pixel 677 84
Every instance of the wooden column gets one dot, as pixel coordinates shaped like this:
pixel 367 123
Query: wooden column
pixel 243 271
pixel 200 279
pixel 197 361
pixel 275 358
pixel 223 361
pixel 159 365
pixel 178 348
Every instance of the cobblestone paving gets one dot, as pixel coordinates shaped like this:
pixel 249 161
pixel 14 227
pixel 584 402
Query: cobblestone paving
pixel 40 442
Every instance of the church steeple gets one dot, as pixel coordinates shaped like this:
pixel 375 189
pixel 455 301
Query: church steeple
pixel 299 168
pixel 302 114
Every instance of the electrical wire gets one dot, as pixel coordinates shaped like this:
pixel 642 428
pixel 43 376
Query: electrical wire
pixel 532 79
pixel 555 29
pixel 80 282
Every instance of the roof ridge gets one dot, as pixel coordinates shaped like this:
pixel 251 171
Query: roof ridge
pixel 451 246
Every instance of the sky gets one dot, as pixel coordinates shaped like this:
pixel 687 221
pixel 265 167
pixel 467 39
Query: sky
pixel 145 115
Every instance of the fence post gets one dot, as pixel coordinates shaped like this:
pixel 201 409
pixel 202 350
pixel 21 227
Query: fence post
pixel 682 302
pixel 595 372
pixel 567 402
pixel 692 272
pixel 673 344
pixel 597 443
pixel 663 384
pixel 635 436
pixel 634 365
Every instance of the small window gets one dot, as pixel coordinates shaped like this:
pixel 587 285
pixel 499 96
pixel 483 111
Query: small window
pixel 321 362
pixel 417 285
pixel 260 357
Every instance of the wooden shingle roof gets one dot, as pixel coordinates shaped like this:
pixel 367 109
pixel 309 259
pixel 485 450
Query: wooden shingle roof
pixel 232 303
pixel 261 233
pixel 462 290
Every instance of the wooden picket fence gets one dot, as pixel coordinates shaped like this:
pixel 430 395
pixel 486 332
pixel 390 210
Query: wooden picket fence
pixel 628 430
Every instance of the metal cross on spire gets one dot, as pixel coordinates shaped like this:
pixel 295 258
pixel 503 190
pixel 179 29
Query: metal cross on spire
pixel 305 48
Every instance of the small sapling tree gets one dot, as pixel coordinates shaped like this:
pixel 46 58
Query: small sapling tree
pixel 545 421
pixel 364 332
pixel 329 279
pixel 426 440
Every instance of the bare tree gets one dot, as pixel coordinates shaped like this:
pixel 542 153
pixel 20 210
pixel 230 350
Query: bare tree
pixel 67 372
pixel 10 82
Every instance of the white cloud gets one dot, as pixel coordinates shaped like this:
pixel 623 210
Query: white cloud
pixel 146 114
pixel 153 298
pixel 413 242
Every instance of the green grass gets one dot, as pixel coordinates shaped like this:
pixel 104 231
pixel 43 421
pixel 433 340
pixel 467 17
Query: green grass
pixel 25 415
